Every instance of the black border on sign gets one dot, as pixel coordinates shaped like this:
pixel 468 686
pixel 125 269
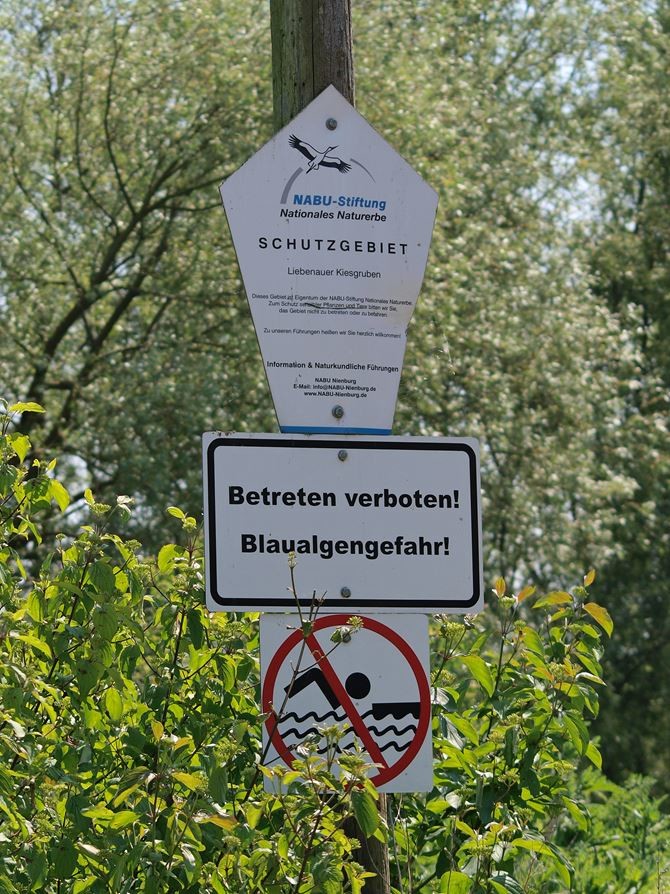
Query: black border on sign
pixel 362 444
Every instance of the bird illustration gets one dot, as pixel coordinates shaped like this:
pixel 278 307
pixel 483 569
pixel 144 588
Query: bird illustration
pixel 319 159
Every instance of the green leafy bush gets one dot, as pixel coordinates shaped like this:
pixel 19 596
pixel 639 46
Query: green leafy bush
pixel 623 844
pixel 130 728
pixel 508 733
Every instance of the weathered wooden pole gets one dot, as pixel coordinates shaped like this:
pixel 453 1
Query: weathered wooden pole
pixel 373 855
pixel 312 48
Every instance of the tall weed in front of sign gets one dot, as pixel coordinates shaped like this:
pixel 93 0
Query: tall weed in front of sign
pixel 130 729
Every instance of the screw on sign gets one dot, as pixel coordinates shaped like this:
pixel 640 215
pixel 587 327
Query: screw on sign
pixel 373 687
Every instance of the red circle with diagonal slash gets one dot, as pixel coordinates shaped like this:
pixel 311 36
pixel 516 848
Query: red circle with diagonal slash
pixel 387 773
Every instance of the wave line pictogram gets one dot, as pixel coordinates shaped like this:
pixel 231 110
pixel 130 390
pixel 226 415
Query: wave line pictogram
pixel 314 714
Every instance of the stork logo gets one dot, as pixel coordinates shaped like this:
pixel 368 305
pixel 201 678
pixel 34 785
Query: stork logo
pixel 317 158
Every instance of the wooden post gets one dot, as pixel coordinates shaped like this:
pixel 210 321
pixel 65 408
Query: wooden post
pixel 312 48
pixel 373 855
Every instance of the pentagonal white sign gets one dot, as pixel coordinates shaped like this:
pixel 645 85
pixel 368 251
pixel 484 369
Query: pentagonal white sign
pixel 332 229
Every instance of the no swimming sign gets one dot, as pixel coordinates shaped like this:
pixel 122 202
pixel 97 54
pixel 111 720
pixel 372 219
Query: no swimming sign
pixel 369 695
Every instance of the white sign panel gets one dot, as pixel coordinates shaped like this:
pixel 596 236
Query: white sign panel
pixel 375 524
pixel 373 688
pixel 332 229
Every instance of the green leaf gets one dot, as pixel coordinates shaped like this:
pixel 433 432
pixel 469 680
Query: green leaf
pixel 452 801
pixel 356 877
pixel 594 755
pixel 218 784
pixel 536 845
pixel 450 732
pixel 532 641
pixel 105 620
pixel 282 846
pixel 464 726
pixel 58 493
pixel 19 729
pixel 592 678
pixel 484 800
pixel 600 615
pixel 87 672
pixel 36 643
pixel 480 671
pixel 223 822
pixel 157 729
pixel 455 883
pixel 556 597
pixel 525 593
pixel 192 782
pixel 26 407
pixel 576 813
pixel 69 588
pixel 253 813
pixel 578 733
pixel 167 556
pixel 100 813
pixel 505 884
pixel 123 818
pixel 539 846
pixel 113 704
pixel 226 669
pixel 63 858
pixel 7 886
pixel 35 605
pixel 365 811
pixel 511 746
pixel 463 827
pixel 122 796
pixel 326 873
pixel 194 626
pixel 102 578
pixel 37 868
pixel 20 445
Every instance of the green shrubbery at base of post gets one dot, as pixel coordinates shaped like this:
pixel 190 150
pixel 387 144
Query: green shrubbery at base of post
pixel 130 730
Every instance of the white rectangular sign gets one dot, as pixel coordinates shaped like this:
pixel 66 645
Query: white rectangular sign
pixel 373 686
pixel 376 524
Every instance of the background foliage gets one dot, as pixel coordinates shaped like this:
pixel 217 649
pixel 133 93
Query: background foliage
pixel 542 327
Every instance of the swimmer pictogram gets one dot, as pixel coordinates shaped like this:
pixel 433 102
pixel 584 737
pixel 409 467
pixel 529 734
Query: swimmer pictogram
pixel 374 689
